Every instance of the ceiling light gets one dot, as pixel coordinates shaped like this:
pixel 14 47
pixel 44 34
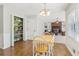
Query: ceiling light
pixel 44 11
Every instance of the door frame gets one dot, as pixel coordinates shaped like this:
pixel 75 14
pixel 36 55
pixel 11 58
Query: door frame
pixel 12 29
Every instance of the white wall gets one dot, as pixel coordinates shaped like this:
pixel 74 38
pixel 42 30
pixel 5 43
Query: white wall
pixel 1 26
pixel 70 42
pixel 31 26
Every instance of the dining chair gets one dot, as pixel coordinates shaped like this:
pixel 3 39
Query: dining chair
pixel 50 39
pixel 41 47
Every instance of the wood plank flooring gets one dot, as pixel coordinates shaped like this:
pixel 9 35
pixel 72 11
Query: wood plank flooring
pixel 24 48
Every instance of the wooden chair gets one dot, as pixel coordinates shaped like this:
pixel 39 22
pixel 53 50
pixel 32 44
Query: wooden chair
pixel 41 47
pixel 50 39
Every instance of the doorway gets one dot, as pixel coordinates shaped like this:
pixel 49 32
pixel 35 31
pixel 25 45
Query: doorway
pixel 17 30
pixel 56 27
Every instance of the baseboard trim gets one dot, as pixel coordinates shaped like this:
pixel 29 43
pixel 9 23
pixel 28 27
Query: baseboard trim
pixel 72 53
pixel 70 50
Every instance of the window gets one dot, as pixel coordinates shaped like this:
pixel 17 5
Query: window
pixel 77 25
pixel 71 24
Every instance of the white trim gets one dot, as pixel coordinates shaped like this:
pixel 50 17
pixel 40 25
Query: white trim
pixel 12 31
pixel 70 50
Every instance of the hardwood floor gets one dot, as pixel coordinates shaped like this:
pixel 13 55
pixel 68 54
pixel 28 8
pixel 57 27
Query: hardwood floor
pixel 24 48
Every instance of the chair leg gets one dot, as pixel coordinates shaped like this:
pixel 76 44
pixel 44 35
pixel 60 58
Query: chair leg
pixel 49 50
pixel 52 53
pixel 33 51
pixel 43 54
pixel 46 54
pixel 36 54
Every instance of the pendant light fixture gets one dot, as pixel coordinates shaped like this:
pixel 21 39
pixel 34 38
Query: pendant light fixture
pixel 44 11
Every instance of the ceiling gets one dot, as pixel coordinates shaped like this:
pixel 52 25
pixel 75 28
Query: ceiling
pixel 36 7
